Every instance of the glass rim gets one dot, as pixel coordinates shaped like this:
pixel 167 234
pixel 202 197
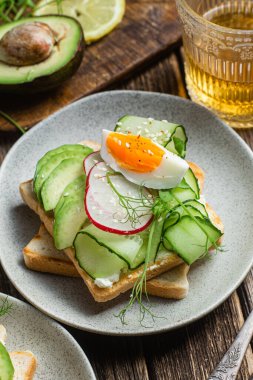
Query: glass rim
pixel 211 24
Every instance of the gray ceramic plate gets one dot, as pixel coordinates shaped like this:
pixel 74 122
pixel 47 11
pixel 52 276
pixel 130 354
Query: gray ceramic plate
pixel 58 354
pixel 228 164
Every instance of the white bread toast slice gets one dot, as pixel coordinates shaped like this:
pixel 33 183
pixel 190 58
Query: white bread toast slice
pixel 24 364
pixel 172 284
pixel 126 280
pixel 41 255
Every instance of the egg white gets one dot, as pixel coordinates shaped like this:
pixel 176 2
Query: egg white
pixel 167 175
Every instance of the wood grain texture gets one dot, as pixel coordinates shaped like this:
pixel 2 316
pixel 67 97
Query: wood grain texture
pixel 149 29
pixel 189 353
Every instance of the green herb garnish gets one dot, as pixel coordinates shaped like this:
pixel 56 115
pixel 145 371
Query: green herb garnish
pixel 134 207
pixel 14 10
pixel 5 307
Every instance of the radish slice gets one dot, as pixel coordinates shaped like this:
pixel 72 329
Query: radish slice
pixel 91 160
pixel 130 215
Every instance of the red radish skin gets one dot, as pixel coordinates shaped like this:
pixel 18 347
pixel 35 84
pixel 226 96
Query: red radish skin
pixel 106 227
pixel 88 162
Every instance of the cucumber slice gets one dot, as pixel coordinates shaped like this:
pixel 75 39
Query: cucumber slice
pixel 156 239
pixel 197 205
pixel 171 220
pixel 6 366
pixel 171 136
pixel 192 182
pixel 53 152
pixel 188 240
pixel 69 219
pixel 70 191
pixel 182 194
pixel 126 247
pixel 42 174
pixel 61 176
pixel 140 257
pixel 167 244
pixel 96 259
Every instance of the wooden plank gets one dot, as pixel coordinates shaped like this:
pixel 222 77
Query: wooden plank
pixel 188 353
pixel 164 77
pixel 193 352
pixel 149 29
pixel 118 358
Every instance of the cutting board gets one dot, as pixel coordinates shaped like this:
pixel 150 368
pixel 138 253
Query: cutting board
pixel 150 28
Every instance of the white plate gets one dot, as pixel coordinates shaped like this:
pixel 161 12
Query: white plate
pixel 58 354
pixel 228 164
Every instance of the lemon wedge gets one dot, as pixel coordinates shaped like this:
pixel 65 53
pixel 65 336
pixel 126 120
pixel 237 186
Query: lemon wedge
pixel 97 17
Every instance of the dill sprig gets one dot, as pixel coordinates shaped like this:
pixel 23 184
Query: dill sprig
pixel 5 307
pixel 135 208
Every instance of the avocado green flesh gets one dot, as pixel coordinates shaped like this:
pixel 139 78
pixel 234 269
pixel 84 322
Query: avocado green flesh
pixel 69 220
pixel 60 149
pixel 47 169
pixel 62 53
pixel 6 366
pixel 61 176
pixel 70 191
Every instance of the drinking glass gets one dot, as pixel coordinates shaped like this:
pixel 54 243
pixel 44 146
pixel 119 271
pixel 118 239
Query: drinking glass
pixel 218 45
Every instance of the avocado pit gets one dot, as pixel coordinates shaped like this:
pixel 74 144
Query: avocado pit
pixel 27 44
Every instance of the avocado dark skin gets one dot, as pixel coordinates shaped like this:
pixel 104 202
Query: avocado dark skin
pixel 48 82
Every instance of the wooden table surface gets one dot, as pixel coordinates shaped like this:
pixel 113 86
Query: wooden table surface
pixel 185 354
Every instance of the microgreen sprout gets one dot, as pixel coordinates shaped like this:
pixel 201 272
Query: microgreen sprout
pixel 140 288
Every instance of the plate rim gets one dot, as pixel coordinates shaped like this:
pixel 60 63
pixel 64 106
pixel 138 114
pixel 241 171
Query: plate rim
pixel 57 326
pixel 153 330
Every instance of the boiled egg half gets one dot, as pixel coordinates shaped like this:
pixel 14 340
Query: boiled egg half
pixel 142 161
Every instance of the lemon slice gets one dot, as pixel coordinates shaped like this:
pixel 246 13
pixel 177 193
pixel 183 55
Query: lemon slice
pixel 97 17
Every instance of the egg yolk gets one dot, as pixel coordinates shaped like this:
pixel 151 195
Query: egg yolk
pixel 135 153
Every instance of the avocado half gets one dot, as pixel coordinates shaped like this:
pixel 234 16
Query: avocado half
pixel 58 67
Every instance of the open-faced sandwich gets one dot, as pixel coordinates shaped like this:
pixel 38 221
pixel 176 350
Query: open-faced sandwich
pixel 127 216
pixel 15 365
